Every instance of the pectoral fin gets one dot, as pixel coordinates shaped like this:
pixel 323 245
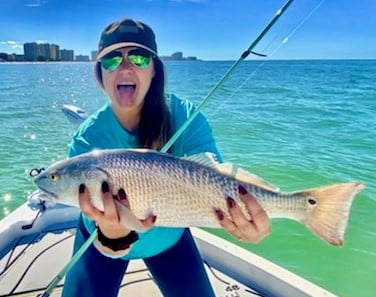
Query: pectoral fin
pixel 128 219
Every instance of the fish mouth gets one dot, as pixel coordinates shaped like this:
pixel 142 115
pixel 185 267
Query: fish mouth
pixel 49 195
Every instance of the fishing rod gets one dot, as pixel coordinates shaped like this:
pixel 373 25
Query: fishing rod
pixel 66 268
pixel 176 135
pixel 234 66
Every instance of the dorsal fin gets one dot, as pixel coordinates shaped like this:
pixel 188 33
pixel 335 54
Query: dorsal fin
pixel 207 159
pixel 245 176
pixel 210 160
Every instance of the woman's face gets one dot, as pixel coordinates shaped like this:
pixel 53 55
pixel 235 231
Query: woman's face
pixel 127 84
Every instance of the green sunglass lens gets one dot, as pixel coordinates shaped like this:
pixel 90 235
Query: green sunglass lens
pixel 110 64
pixel 139 60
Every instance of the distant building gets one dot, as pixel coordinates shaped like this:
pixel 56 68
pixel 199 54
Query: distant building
pixel 31 51
pixel 16 58
pixel 93 55
pixel 34 51
pixel 66 55
pixel 3 57
pixel 41 52
pixel 44 53
pixel 177 56
pixel 54 52
pixel 82 58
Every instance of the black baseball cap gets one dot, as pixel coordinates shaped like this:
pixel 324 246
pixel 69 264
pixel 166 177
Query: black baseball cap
pixel 124 33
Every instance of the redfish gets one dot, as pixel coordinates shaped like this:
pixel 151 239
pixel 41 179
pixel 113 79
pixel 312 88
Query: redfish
pixel 184 192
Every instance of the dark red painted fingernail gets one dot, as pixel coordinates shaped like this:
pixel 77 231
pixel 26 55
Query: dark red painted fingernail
pixel 230 202
pixel 219 214
pixel 242 190
pixel 122 195
pixel 105 187
pixel 81 188
pixel 153 219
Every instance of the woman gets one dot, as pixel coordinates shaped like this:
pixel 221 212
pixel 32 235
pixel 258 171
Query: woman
pixel 139 114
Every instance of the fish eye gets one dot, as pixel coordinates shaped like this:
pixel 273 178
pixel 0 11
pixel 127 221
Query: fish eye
pixel 53 177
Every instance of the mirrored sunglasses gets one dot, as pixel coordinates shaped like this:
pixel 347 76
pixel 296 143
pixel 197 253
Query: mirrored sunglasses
pixel 138 57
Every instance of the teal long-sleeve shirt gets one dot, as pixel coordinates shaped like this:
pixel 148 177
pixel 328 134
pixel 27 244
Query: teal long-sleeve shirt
pixel 102 130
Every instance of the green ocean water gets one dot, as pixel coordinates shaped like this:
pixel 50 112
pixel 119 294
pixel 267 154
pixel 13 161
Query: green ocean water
pixel 298 124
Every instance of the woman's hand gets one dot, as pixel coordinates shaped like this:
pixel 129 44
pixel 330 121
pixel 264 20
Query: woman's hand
pixel 239 226
pixel 108 220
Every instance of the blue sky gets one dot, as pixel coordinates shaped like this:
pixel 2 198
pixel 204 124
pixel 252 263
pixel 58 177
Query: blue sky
pixel 208 29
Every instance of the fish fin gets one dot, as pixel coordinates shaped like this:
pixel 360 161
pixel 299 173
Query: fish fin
pixel 128 219
pixel 206 159
pixel 328 210
pixel 141 150
pixel 210 160
pixel 245 176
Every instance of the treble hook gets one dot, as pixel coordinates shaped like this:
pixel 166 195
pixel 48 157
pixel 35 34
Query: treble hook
pixel 35 171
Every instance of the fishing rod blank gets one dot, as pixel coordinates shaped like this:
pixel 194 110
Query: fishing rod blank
pixel 176 135
pixel 244 55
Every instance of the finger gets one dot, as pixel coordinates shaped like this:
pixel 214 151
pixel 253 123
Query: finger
pixel 149 221
pixel 245 229
pixel 237 215
pixel 122 198
pixel 227 224
pixel 85 204
pixel 259 218
pixel 110 211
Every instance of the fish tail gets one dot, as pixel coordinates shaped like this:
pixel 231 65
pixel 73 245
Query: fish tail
pixel 328 210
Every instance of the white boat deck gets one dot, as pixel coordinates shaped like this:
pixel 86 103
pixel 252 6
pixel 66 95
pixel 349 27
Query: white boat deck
pixel 246 274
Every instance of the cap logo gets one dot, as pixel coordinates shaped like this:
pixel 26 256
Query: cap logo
pixel 128 29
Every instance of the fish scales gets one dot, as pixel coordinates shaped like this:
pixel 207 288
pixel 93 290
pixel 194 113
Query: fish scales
pixel 184 192
pixel 172 191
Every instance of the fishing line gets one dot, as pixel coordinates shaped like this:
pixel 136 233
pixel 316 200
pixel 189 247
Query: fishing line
pixel 176 135
pixel 244 55
pixel 297 27
pixel 283 42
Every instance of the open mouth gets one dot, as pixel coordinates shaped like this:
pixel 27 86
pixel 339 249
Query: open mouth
pixel 126 92
pixel 126 87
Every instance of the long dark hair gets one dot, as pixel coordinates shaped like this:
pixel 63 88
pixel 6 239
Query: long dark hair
pixel 155 120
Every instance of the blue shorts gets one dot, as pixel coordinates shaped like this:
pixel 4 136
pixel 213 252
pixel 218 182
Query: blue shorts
pixel 178 271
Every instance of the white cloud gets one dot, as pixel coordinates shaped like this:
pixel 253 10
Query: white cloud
pixel 35 3
pixel 41 41
pixel 12 44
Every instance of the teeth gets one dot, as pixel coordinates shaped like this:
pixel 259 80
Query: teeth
pixel 127 85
